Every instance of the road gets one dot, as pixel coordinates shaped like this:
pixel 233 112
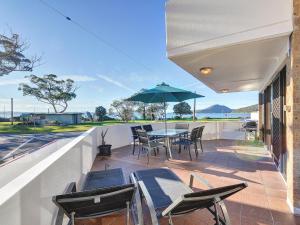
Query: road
pixel 18 143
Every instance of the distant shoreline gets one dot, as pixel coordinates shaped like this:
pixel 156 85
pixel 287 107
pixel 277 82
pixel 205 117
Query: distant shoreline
pixel 214 115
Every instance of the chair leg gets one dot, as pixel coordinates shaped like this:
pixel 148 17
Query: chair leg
pixel 216 213
pixel 201 144
pixel 72 218
pixel 133 149
pixel 170 220
pixel 139 152
pixel 189 148
pixel 127 213
pixel 196 148
pixel 179 149
pixel 148 156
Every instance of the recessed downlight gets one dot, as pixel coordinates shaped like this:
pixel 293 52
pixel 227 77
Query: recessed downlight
pixel 206 70
pixel 224 90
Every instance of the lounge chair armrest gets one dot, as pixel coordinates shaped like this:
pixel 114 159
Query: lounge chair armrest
pixel 199 179
pixel 149 203
pixel 172 206
pixel 138 202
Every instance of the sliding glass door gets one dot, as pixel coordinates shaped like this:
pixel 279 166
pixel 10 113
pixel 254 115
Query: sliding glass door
pixel 274 121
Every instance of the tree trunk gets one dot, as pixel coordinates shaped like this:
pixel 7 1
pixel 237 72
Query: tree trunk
pixel 65 108
pixel 53 105
pixel 144 112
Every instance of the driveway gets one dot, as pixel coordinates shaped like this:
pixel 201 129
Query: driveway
pixel 17 143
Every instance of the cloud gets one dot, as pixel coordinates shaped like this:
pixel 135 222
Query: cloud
pixel 98 89
pixel 12 81
pixel 135 77
pixel 114 82
pixel 4 81
pixel 194 84
pixel 78 78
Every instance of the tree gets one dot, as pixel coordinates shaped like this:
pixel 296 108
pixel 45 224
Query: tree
pixel 150 111
pixel 89 116
pixel 100 112
pixel 50 90
pixel 182 108
pixel 123 109
pixel 156 110
pixel 12 57
pixel 141 108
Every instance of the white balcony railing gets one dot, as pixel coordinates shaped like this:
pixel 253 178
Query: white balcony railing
pixel 26 198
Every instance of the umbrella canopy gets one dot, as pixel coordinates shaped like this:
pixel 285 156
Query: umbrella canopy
pixel 163 93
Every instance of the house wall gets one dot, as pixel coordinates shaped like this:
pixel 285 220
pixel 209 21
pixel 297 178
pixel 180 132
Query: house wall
pixel 63 118
pixel 293 115
pixel 292 109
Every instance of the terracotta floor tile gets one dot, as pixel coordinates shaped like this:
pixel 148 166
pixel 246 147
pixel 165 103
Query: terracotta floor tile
pixel 222 163
pixel 254 221
pixel 276 193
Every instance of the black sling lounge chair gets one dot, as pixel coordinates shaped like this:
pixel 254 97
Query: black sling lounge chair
pixel 96 203
pixel 167 196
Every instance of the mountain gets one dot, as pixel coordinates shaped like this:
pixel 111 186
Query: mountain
pixel 215 109
pixel 248 109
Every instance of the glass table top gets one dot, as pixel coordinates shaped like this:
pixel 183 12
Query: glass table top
pixel 168 132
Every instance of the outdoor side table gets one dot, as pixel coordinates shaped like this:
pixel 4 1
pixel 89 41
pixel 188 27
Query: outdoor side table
pixel 104 179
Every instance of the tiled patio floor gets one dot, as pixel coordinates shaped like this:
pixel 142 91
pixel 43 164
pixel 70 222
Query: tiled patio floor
pixel 222 163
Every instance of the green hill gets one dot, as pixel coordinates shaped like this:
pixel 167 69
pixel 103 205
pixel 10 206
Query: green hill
pixel 248 109
pixel 225 109
pixel 215 109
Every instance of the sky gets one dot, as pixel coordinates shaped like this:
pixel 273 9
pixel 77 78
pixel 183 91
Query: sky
pixel 135 29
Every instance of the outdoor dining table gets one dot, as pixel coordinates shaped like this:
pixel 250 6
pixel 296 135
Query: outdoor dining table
pixel 168 134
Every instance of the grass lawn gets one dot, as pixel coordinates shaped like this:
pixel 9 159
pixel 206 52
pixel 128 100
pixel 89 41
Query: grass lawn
pixel 252 143
pixel 6 127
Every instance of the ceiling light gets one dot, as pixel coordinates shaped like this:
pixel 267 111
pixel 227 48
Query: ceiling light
pixel 224 90
pixel 206 70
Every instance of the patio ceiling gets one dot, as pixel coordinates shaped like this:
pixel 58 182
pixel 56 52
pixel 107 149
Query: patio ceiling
pixel 244 67
pixel 244 42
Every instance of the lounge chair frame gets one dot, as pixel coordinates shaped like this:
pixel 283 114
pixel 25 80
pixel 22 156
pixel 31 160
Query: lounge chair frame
pixel 220 213
pixel 96 198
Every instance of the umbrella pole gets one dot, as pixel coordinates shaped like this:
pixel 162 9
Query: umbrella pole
pixel 165 116
pixel 194 110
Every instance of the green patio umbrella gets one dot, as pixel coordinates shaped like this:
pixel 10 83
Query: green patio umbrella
pixel 163 93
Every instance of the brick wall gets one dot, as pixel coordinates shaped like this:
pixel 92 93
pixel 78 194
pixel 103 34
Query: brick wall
pixel 293 116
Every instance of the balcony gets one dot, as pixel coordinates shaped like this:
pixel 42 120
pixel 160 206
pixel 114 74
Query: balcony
pixel 26 198
pixel 244 42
